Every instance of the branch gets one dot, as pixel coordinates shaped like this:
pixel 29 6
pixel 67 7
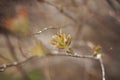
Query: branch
pixel 76 56
pixel 5 66
pixel 61 10
pixel 47 28
pixel 88 57
pixel 102 68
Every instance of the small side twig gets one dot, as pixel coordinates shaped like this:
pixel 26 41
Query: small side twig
pixel 102 68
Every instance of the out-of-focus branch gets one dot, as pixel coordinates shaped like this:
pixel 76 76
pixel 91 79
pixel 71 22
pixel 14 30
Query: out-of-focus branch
pixel 61 10
pixel 13 53
pixel 20 49
pixel 4 58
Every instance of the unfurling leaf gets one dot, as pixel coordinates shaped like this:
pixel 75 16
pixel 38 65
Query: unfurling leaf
pixel 97 50
pixel 62 41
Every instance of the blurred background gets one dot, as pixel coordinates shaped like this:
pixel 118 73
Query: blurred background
pixel 89 22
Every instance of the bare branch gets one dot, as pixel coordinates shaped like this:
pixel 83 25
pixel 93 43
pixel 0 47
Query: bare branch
pixel 76 56
pixel 14 64
pixel 5 66
pixel 87 57
pixel 102 68
pixel 44 29
pixel 47 28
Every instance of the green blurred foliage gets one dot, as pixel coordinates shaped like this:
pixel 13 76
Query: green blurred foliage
pixel 5 77
pixel 34 75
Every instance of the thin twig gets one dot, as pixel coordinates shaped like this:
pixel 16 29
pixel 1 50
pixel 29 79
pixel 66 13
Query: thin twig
pixel 76 56
pixel 47 28
pixel 87 57
pixel 102 68
pixel 5 66
pixel 44 29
